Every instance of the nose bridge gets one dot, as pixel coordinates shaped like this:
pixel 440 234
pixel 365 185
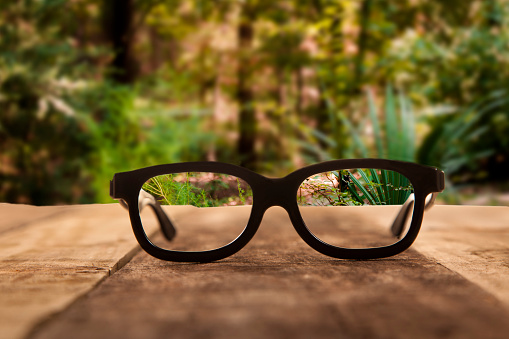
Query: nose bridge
pixel 277 192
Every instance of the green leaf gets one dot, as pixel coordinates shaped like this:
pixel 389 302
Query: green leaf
pixel 407 129
pixel 379 190
pixel 391 126
pixel 353 191
pixel 370 184
pixel 363 190
pixel 356 137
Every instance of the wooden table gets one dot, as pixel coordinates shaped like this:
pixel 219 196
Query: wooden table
pixel 77 272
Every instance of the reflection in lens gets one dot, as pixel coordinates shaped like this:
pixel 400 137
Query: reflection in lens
pixel 207 210
pixel 355 208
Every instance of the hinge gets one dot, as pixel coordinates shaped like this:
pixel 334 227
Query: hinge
pixel 112 189
pixel 440 180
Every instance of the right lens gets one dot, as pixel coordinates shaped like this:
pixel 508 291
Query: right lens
pixel 207 210
pixel 357 208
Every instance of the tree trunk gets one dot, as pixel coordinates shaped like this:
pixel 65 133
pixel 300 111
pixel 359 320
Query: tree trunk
pixel 281 115
pixel 118 15
pixel 365 13
pixel 247 121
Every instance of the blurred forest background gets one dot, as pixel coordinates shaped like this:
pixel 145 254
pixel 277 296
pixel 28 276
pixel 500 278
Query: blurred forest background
pixel 93 87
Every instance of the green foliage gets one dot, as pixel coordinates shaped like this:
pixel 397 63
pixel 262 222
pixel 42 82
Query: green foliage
pixel 355 188
pixel 302 68
pixel 44 145
pixel 461 71
pixel 242 193
pixel 378 187
pixel 462 141
pixel 455 64
pixel 171 192
pixel 128 133
pixel 193 189
pixel 392 138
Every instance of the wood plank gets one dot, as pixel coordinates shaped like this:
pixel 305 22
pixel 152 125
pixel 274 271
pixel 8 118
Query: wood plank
pixel 278 287
pixel 18 215
pixel 47 263
pixel 472 241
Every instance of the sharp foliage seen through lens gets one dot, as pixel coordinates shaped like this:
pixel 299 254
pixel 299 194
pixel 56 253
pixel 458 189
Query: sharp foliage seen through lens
pixel 328 203
pixel 355 187
pixel 207 210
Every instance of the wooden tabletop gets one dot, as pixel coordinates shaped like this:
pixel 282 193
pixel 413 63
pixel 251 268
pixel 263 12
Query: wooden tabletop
pixel 77 272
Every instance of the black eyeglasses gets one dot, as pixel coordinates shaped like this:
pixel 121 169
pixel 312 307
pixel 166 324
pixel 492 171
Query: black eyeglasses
pixel 216 208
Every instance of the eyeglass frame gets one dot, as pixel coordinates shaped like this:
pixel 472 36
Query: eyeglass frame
pixel 269 192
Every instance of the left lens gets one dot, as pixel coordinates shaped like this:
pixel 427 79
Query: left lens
pixel 207 210
pixel 357 208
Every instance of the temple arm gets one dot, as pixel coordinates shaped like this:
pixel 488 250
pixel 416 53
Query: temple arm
pixel 404 213
pixel 166 225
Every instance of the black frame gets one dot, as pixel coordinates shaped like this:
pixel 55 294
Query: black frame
pixel 268 192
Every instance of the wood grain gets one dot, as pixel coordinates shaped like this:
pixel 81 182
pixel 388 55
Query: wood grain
pixel 56 266
pixel 50 256
pixel 13 216
pixel 277 287
pixel 472 241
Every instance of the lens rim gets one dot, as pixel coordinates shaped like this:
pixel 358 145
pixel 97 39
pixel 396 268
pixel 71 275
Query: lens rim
pixel 195 201
pixel 375 197
pixel 129 183
pixel 269 192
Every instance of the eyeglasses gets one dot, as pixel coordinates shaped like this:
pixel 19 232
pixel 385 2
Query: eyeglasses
pixel 216 208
